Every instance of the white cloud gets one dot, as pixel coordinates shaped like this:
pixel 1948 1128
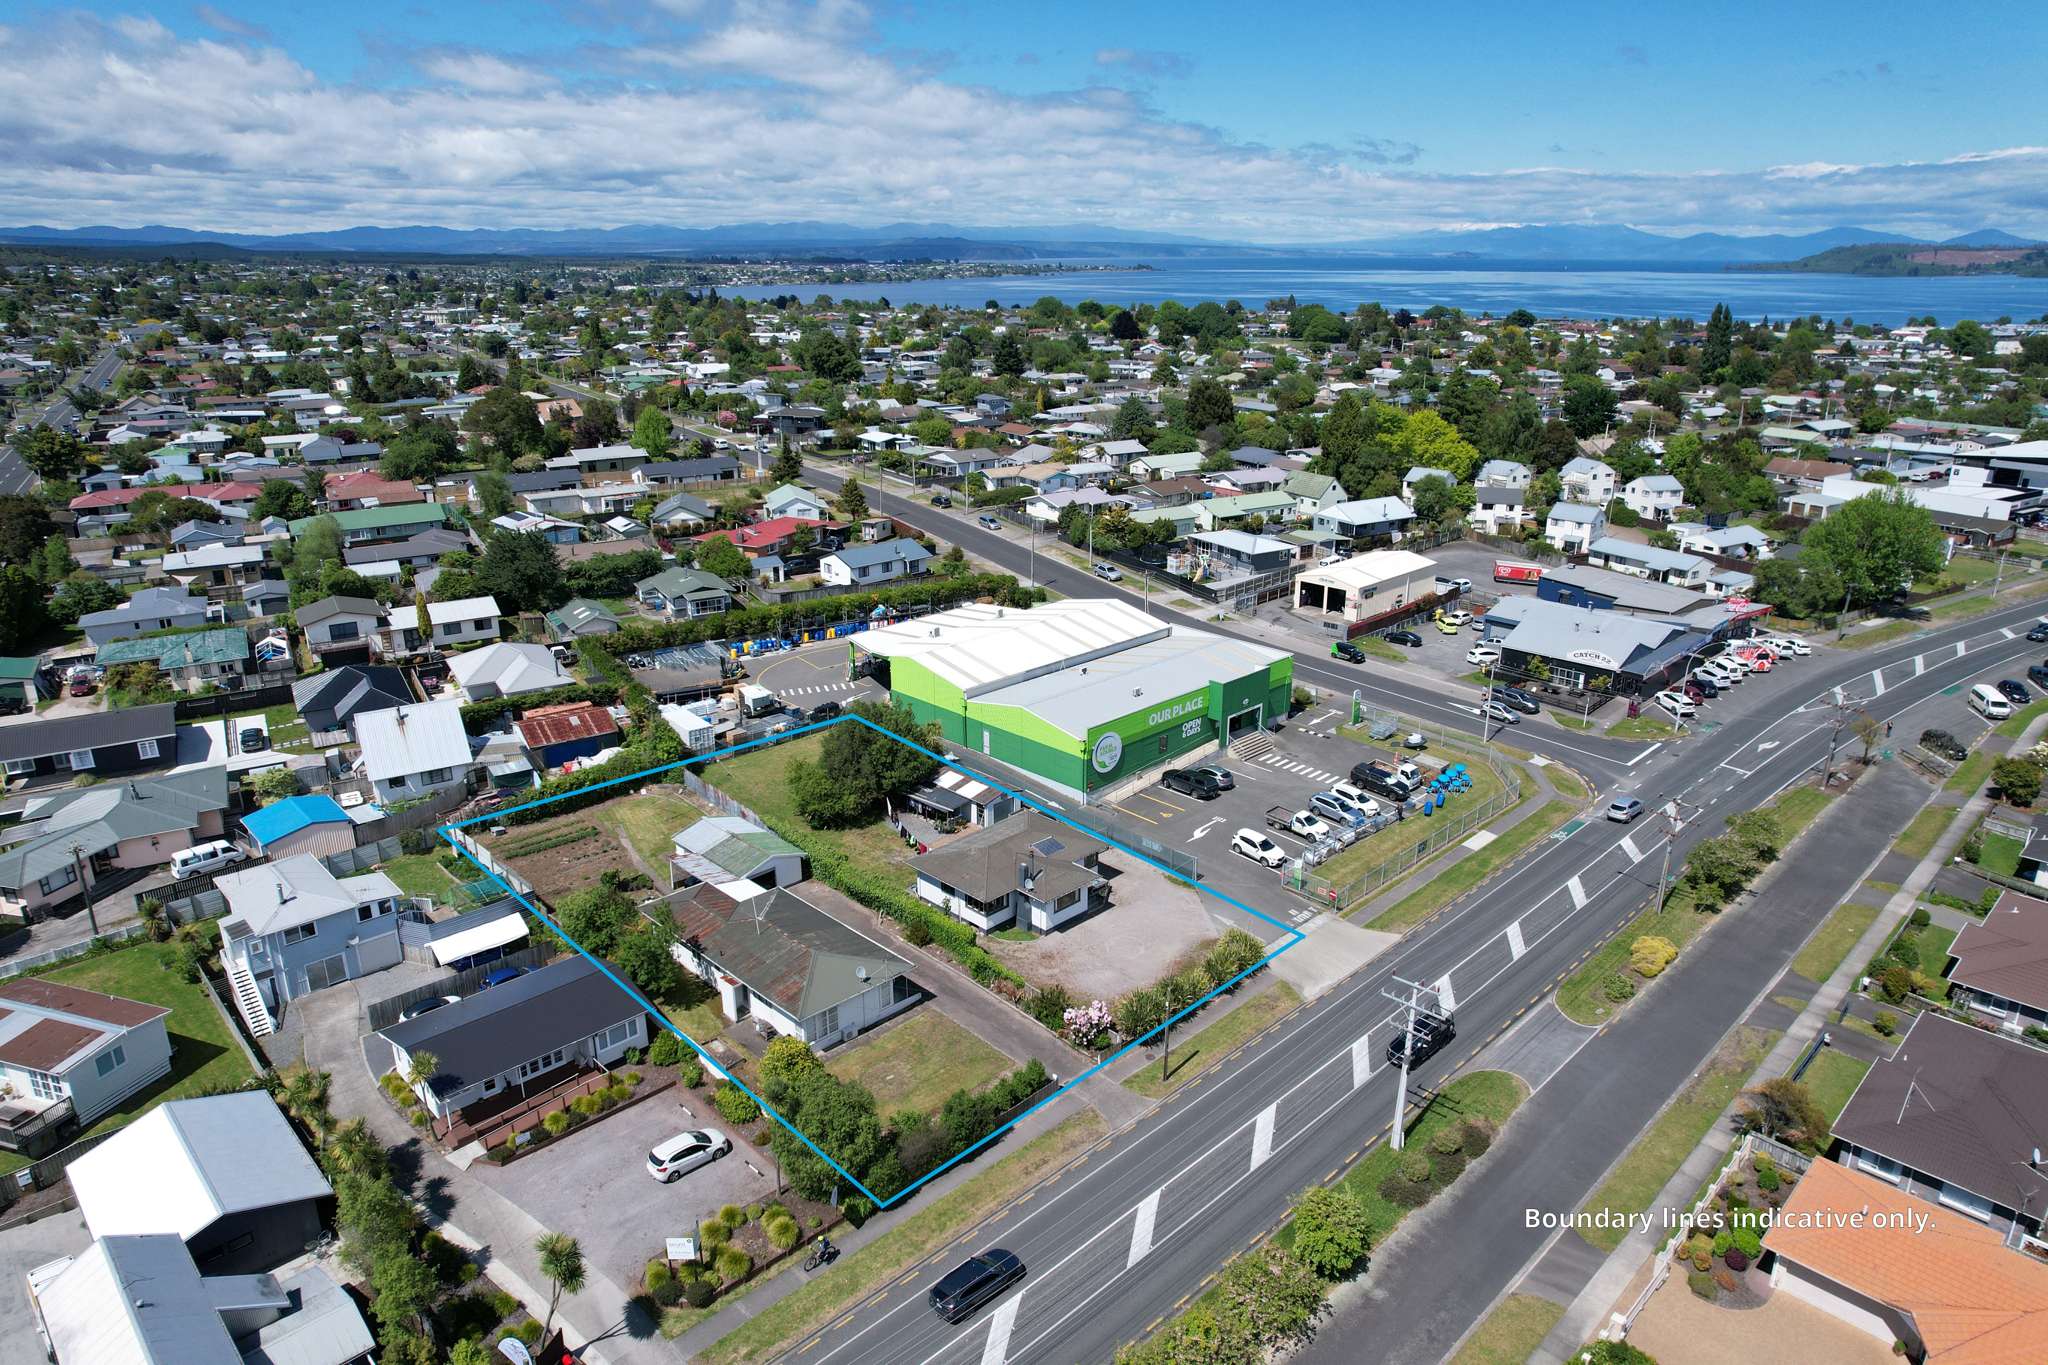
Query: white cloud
pixel 771 111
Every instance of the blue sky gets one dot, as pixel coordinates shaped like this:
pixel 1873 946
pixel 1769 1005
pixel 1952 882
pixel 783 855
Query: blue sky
pixel 1274 123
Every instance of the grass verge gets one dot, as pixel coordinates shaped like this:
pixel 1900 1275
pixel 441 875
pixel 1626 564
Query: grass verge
pixel 1881 635
pixel 1672 1135
pixel 2013 726
pixel 1472 869
pixel 1644 726
pixel 796 1316
pixel 1969 778
pixel 1572 722
pixel 1482 1094
pixel 1511 1332
pixel 1831 942
pixel 1919 837
pixel 1832 1079
pixel 1209 1045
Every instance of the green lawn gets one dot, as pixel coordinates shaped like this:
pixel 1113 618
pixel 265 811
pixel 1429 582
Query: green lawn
pixel 1472 869
pixel 1570 721
pixel 916 1064
pixel 1198 1051
pixel 1511 1332
pixel 1377 648
pixel 1483 1094
pixel 798 1317
pixel 1929 825
pixel 2012 726
pixel 1970 776
pixel 1832 1079
pixel 2001 854
pixel 650 822
pixel 283 722
pixel 1881 635
pixel 1831 943
pixel 1566 783
pixel 1671 1137
pixel 204 1055
pixel 420 874
pixel 1934 943
pixel 1644 726
pixel 760 779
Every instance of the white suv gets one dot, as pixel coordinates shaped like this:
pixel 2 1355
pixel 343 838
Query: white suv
pixel 685 1152
pixel 1249 843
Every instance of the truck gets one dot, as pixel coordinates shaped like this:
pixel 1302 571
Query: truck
pixel 1516 571
pixel 1300 823
pixel 757 701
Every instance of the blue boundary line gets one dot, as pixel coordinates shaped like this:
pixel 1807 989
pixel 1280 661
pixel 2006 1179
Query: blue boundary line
pixel 1294 936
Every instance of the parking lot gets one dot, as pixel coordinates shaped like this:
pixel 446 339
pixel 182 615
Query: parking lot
pixel 594 1184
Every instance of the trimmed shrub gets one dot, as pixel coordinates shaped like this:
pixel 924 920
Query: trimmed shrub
pixel 733 1263
pixel 1723 1240
pixel 1736 1259
pixel 1748 1242
pixel 1414 1165
pixel 1618 988
pixel 1331 1232
pixel 667 1050
pixel 1896 982
pixel 713 1233
pixel 1650 955
pixel 690 1073
pixel 1905 950
pixel 1885 1022
pixel 421 1118
pixel 668 1294
pixel 698 1293
pixel 1444 1141
pixel 736 1104
pixel 1920 918
pixel 585 1105
pixel 733 1216
pixel 658 1274
pixel 1476 1136
pixel 557 1122
pixel 917 933
pixel 783 1232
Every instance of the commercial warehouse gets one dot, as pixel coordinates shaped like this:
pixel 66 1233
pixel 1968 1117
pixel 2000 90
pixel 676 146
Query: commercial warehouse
pixel 1081 693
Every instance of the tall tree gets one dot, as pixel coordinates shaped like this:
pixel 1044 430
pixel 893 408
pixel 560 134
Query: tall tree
pixel 852 502
pixel 561 1261
pixel 522 571
pixel 653 432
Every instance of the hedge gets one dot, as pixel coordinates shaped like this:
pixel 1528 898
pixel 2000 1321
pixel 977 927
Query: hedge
pixel 753 622
pixel 478 717
pixel 999 497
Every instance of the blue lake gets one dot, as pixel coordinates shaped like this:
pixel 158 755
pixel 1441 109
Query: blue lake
pixel 1548 289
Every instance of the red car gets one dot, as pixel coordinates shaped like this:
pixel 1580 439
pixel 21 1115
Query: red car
pixel 84 687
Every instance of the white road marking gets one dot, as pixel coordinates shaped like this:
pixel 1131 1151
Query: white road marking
pixel 1577 889
pixel 1262 1135
pixel 1645 754
pixel 1141 1230
pixel 1515 944
pixel 1919 664
pixel 2009 633
pixel 1205 829
pixel 1000 1324
pixel 1877 682
pixel 1962 648
pixel 1361 1060
pixel 1444 994
pixel 1628 846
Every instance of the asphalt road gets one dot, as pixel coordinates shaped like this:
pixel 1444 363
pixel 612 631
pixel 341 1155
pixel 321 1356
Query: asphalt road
pixel 1117 1243
pixel 61 412
pixel 1602 758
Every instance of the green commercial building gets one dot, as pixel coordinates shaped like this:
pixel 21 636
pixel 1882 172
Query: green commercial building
pixel 1081 693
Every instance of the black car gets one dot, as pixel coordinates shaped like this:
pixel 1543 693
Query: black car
pixel 941 500
pixel 1520 700
pixel 1943 743
pixel 1432 1031
pixel 825 710
pixel 2039 632
pixel 974 1282
pixel 1706 687
pixel 2015 691
pixel 1190 782
pixel 2037 674
pixel 253 740
pixel 1404 637
pixel 1348 652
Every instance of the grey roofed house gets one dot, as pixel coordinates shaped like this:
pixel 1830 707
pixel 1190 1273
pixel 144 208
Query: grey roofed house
pixel 494 1031
pixel 94 1310
pixel 581 616
pixel 1957 1109
pixel 150 609
pixel 787 950
pixel 702 469
pixel 2005 955
pixel 986 863
pixel 900 551
pixel 543 481
pixel 1652 557
pixel 313 613
pixel 94 819
pixel 1577 514
pixel 329 700
pixel 429 544
pixel 682 507
pixel 123 726
pixel 188 535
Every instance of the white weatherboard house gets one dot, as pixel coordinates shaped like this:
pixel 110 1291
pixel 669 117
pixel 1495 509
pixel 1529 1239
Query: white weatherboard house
pixel 1027 872
pixel 414 751
pixel 293 927
pixel 69 1055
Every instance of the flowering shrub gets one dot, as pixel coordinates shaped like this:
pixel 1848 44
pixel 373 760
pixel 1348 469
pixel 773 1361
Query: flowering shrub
pixel 1088 1026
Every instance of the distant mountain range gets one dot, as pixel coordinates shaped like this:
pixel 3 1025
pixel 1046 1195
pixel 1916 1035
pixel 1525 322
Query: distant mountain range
pixel 1610 243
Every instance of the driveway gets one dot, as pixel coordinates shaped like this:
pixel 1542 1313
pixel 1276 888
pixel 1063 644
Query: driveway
pixel 22 1249
pixel 594 1184
pixel 1148 924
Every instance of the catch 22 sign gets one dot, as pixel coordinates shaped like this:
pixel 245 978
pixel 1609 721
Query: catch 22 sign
pixel 1109 750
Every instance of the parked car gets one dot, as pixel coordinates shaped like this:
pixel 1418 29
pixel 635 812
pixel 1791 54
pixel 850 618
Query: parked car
pixel 1249 843
pixel 1462 584
pixel 988 523
pixel 1336 809
pixel 825 710
pixel 1482 655
pixel 1945 744
pixel 2037 674
pixel 13 706
pixel 1430 1033
pixel 1348 652
pixel 1460 617
pixel 1407 638
pixel 1445 626
pixel 1218 774
pixel 1189 782
pixel 82 687
pixel 974 1282
pixel 426 1006
pixel 1678 704
pixel 2015 691
pixel 1494 710
pixel 685 1152
pixel 1624 810
pixel 253 740
pixel 941 500
pixel 503 975
pixel 1517 698
pixel 1357 796
pixel 1789 644
pixel 1109 573
pixel 1704 685
pixel 203 858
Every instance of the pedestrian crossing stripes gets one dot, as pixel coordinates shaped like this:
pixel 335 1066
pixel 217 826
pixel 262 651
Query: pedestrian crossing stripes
pixel 1288 765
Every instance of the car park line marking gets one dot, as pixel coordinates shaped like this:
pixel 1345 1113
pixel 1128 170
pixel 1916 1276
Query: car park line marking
pixel 1877 682
pixel 1135 816
pixel 1361 1060
pixel 1628 846
pixel 1515 945
pixel 1644 754
pixel 1577 889
pixel 1262 1135
pixel 1141 1229
pixel 1000 1324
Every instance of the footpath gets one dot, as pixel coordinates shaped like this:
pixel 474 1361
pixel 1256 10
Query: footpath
pixel 1603 1282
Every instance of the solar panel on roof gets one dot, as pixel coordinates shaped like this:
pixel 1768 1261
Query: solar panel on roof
pixel 1047 846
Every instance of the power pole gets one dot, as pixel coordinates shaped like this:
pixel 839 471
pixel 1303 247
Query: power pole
pixel 1674 821
pixel 1410 996
pixel 85 889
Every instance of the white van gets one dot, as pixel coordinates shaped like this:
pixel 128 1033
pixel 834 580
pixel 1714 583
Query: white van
pixel 207 857
pixel 1986 702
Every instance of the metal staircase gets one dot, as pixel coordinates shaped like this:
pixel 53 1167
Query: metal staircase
pixel 248 1000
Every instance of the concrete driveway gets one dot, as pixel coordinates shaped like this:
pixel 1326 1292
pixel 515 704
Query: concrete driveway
pixel 22 1249
pixel 594 1184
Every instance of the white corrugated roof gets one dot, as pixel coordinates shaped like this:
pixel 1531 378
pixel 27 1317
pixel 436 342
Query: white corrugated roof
pixel 980 647
pixel 413 739
pixel 506 928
